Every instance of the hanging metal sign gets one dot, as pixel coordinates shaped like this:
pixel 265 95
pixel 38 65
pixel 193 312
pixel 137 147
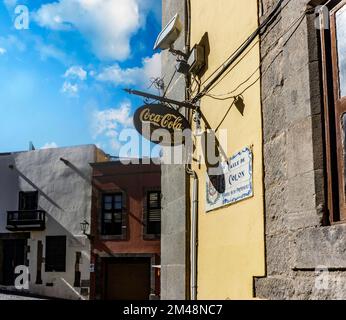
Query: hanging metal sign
pixel 161 124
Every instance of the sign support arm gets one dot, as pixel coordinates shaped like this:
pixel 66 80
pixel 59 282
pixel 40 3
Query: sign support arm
pixel 161 99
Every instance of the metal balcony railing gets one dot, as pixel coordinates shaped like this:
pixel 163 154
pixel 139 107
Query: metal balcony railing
pixel 26 220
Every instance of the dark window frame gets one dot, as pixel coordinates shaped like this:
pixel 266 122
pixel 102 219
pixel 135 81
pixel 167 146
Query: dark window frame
pixel 147 234
pixel 334 109
pixel 23 202
pixel 124 217
pixel 52 254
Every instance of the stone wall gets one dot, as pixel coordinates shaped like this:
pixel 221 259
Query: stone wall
pixel 298 246
pixel 173 182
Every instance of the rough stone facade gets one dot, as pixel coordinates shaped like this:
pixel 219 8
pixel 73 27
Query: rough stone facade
pixel 304 258
pixel 173 181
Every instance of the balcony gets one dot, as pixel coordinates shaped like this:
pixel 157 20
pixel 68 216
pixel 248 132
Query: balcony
pixel 26 220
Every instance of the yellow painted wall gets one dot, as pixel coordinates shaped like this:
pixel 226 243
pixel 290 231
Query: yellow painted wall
pixel 231 239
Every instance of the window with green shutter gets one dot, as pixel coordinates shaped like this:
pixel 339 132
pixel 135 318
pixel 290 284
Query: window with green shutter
pixel 153 216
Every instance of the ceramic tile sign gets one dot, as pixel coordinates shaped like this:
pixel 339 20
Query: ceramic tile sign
pixel 237 180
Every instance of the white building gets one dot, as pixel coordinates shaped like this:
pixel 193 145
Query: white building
pixel 45 195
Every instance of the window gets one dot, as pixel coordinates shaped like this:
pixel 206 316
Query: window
pixel 113 214
pixel 55 254
pixel 333 41
pixel 153 216
pixel 28 200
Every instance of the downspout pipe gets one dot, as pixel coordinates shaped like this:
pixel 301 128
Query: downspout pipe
pixel 193 235
pixel 191 173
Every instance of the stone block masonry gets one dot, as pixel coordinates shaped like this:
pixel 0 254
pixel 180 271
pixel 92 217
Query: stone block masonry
pixel 304 259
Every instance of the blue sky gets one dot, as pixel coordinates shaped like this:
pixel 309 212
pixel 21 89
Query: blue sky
pixel 61 79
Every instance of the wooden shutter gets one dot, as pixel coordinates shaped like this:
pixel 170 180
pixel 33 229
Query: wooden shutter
pixel 338 50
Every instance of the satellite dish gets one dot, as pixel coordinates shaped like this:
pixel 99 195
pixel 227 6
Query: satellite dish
pixel 169 34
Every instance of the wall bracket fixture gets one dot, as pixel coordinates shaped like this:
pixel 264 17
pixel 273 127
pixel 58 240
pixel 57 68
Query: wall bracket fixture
pixel 84 226
pixel 161 99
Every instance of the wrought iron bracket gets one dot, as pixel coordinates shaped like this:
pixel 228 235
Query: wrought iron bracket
pixel 161 99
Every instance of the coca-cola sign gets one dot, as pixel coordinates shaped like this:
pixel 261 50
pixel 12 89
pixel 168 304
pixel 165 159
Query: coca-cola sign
pixel 161 124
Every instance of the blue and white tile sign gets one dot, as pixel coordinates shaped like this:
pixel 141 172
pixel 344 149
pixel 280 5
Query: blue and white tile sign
pixel 237 179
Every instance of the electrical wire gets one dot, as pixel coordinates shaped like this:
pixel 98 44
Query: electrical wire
pixel 233 66
pixel 251 84
pixel 245 44
pixel 170 82
pixel 326 4
pixel 262 28
pixel 174 84
pixel 223 96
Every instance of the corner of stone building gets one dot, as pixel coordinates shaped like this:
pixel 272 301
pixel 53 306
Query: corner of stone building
pixel 299 249
pixel 174 260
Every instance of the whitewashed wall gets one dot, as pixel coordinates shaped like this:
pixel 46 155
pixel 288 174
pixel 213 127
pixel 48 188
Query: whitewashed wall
pixel 65 194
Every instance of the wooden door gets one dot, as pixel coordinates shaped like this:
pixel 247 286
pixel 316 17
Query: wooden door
pixel 128 279
pixel 13 256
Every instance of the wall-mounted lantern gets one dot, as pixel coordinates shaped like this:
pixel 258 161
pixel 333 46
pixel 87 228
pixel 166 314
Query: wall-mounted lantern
pixel 85 226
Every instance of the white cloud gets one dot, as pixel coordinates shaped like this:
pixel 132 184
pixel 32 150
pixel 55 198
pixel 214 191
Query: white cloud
pixel 75 75
pixel 106 24
pixel 151 5
pixel 2 51
pixel 10 3
pixel 50 145
pixel 11 42
pixel 70 89
pixel 99 145
pixel 107 122
pixel 76 72
pixel 47 51
pixel 151 68
pixel 117 76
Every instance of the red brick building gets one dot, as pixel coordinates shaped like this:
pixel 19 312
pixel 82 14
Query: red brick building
pixel 125 231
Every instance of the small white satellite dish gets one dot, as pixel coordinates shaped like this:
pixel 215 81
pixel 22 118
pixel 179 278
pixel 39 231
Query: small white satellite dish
pixel 169 34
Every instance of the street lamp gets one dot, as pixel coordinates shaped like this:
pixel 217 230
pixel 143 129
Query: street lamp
pixel 85 226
